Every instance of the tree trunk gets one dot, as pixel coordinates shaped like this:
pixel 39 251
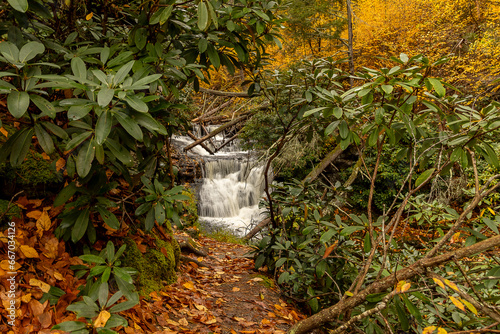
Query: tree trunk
pixel 215 132
pixel 323 164
pixel 417 268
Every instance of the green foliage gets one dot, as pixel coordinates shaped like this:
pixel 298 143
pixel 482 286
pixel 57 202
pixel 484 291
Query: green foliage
pixel 97 307
pixel 9 210
pixel 299 251
pixel 160 204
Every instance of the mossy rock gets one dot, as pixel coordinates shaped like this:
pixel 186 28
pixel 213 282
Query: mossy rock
pixel 35 175
pixel 154 268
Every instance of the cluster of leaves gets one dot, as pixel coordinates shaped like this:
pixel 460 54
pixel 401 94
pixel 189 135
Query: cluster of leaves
pixel 98 309
pixel 400 109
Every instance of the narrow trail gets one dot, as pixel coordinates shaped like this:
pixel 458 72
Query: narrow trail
pixel 227 297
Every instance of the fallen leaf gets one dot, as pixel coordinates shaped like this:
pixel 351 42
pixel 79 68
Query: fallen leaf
pixel 239 319
pixel 43 223
pixel 429 330
pixel 442 331
pixel 451 284
pixel 29 252
pixel 42 285
pixel 102 319
pixel 4 132
pixel 60 163
pixel 235 289
pixel 89 16
pixel 201 307
pixel 58 276
pixel 439 282
pixel 35 214
pixel 189 286
pixel 183 322
pixel 5 265
pixel 26 298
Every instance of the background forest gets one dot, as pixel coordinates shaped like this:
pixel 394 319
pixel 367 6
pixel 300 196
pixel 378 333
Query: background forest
pixel 378 119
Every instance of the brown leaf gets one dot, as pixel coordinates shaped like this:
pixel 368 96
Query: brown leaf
pixel 35 202
pixel 36 307
pixel 45 319
pixel 183 322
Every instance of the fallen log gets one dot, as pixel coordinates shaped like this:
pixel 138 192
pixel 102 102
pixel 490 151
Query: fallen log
pixel 257 229
pixel 213 111
pixel 230 94
pixel 330 157
pixel 193 137
pixel 215 132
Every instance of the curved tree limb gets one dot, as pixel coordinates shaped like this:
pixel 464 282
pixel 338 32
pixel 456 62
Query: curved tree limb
pixel 418 268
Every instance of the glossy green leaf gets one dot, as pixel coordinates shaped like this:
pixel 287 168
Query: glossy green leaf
pixel 109 218
pixel 137 104
pixel 203 18
pixel 78 67
pixel 80 227
pixel 120 152
pixel 424 176
pixel 343 129
pixel 21 147
pixel 9 51
pixel 129 125
pixel 79 111
pixel 18 103
pixel 30 50
pixel 122 73
pixel 91 258
pixel 77 140
pixel 438 87
pixel 103 126
pixel 65 194
pixel 45 106
pixel 44 139
pixel 141 38
pixel 213 55
pixel 105 96
pixel 85 158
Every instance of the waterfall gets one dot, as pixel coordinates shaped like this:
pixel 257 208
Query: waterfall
pixel 232 184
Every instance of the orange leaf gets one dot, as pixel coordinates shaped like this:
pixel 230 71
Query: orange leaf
pixel 457 303
pixel 42 285
pixel 439 282
pixel 235 289
pixel 35 214
pixel 403 286
pixel 29 252
pixel 26 298
pixel 189 286
pixel 5 265
pixel 43 223
pixel 60 163
pixel 330 249
pixel 4 132
pixel 45 156
pixel 102 319
pixel 89 16
pixel 442 331
pixel 451 285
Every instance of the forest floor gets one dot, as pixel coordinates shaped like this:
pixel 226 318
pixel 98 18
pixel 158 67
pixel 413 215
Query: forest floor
pixel 227 296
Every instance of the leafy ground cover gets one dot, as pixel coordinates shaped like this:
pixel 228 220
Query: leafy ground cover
pixel 220 293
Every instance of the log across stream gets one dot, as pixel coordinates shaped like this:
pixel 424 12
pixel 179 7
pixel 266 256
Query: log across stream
pixel 232 185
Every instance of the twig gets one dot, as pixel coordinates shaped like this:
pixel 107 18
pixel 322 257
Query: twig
pixel 10 203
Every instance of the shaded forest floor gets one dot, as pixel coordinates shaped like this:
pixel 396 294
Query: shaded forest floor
pixel 227 296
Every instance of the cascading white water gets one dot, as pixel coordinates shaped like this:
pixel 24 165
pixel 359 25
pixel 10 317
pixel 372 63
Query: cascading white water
pixel 232 186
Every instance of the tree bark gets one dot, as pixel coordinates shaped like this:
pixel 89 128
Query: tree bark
pixel 417 268
pixel 215 132
pixel 193 137
pixel 323 164
pixel 257 229
pixel 230 94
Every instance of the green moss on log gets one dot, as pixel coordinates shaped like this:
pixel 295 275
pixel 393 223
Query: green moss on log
pixel 154 268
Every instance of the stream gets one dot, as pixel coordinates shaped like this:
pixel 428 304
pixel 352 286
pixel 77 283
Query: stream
pixel 232 185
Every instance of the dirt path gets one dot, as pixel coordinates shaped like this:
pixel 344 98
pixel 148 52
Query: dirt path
pixel 227 297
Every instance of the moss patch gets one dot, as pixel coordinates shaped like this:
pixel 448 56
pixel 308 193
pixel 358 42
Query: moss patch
pixel 154 267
